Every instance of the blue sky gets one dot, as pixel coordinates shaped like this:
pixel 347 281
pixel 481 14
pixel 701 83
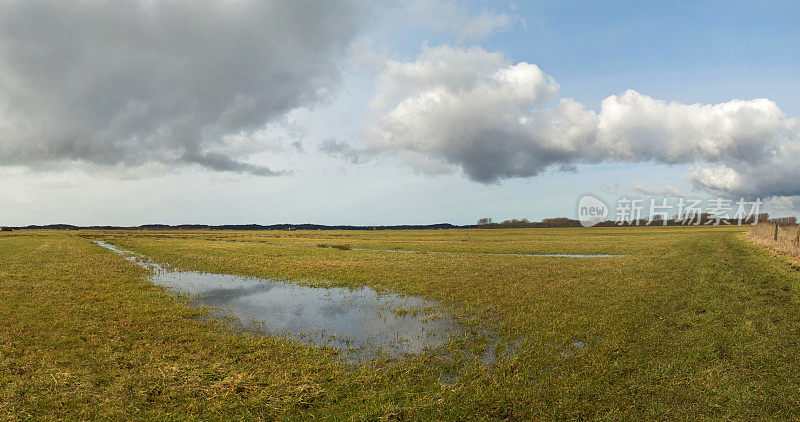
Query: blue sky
pixel 705 52
pixel 683 52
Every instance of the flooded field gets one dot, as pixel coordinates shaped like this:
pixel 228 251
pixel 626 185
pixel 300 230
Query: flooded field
pixel 654 323
pixel 360 322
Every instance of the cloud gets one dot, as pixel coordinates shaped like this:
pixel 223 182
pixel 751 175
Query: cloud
pixel 454 18
pixel 783 204
pixel 775 172
pixel 739 148
pixel 471 109
pixel 331 146
pixel 656 190
pixel 176 82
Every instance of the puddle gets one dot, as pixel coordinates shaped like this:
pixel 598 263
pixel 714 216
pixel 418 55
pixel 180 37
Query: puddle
pixel 574 347
pixel 559 255
pixel 358 322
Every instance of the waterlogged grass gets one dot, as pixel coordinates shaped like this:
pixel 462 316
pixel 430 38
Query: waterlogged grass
pixel 693 323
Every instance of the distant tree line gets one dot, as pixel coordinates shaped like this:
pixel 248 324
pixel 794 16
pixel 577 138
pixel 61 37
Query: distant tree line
pixel 782 221
pixel 487 223
pixel 440 226
pixel 695 219
pixel 483 223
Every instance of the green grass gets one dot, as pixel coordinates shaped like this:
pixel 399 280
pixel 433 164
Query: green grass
pixel 694 323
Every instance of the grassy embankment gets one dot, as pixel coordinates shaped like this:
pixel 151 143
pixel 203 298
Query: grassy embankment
pixel 787 241
pixel 696 322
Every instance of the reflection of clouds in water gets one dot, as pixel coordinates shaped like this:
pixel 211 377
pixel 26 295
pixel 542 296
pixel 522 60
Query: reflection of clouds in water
pixel 357 318
pixel 330 310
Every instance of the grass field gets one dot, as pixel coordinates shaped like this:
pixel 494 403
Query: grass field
pixel 693 323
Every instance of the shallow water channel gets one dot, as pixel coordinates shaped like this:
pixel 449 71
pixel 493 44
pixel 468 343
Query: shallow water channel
pixel 545 255
pixel 359 322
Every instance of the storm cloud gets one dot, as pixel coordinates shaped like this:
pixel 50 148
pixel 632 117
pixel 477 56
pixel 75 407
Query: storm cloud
pixel 172 81
pixel 469 109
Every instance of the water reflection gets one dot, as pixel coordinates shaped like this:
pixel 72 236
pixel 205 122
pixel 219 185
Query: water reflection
pixel 359 322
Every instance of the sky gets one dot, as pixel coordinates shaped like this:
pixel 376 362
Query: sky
pixel 376 113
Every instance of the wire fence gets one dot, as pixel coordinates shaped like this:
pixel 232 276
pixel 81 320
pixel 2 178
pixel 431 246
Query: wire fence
pixel 774 235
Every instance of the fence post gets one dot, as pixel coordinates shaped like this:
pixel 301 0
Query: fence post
pixel 776 231
pixel 797 236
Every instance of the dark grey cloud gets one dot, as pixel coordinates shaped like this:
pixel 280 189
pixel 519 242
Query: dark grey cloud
pixel 133 81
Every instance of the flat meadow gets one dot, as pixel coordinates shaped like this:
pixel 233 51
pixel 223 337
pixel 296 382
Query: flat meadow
pixel 690 323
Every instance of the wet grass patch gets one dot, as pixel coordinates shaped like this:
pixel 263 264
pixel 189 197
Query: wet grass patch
pixel 341 247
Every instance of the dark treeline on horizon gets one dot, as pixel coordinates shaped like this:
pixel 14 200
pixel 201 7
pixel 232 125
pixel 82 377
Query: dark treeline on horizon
pixel 698 219
pixel 242 227
pixel 483 223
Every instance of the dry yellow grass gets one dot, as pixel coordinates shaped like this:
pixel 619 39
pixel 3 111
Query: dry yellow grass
pixel 763 234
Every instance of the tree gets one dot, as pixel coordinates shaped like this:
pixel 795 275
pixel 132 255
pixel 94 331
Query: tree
pixel 485 221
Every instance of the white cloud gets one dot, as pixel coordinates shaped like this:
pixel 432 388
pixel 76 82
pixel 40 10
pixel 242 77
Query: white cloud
pixel 470 108
pixel 772 170
pixel 449 16
pixel 656 190
pixel 783 204
pixel 474 110
pixel 636 127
